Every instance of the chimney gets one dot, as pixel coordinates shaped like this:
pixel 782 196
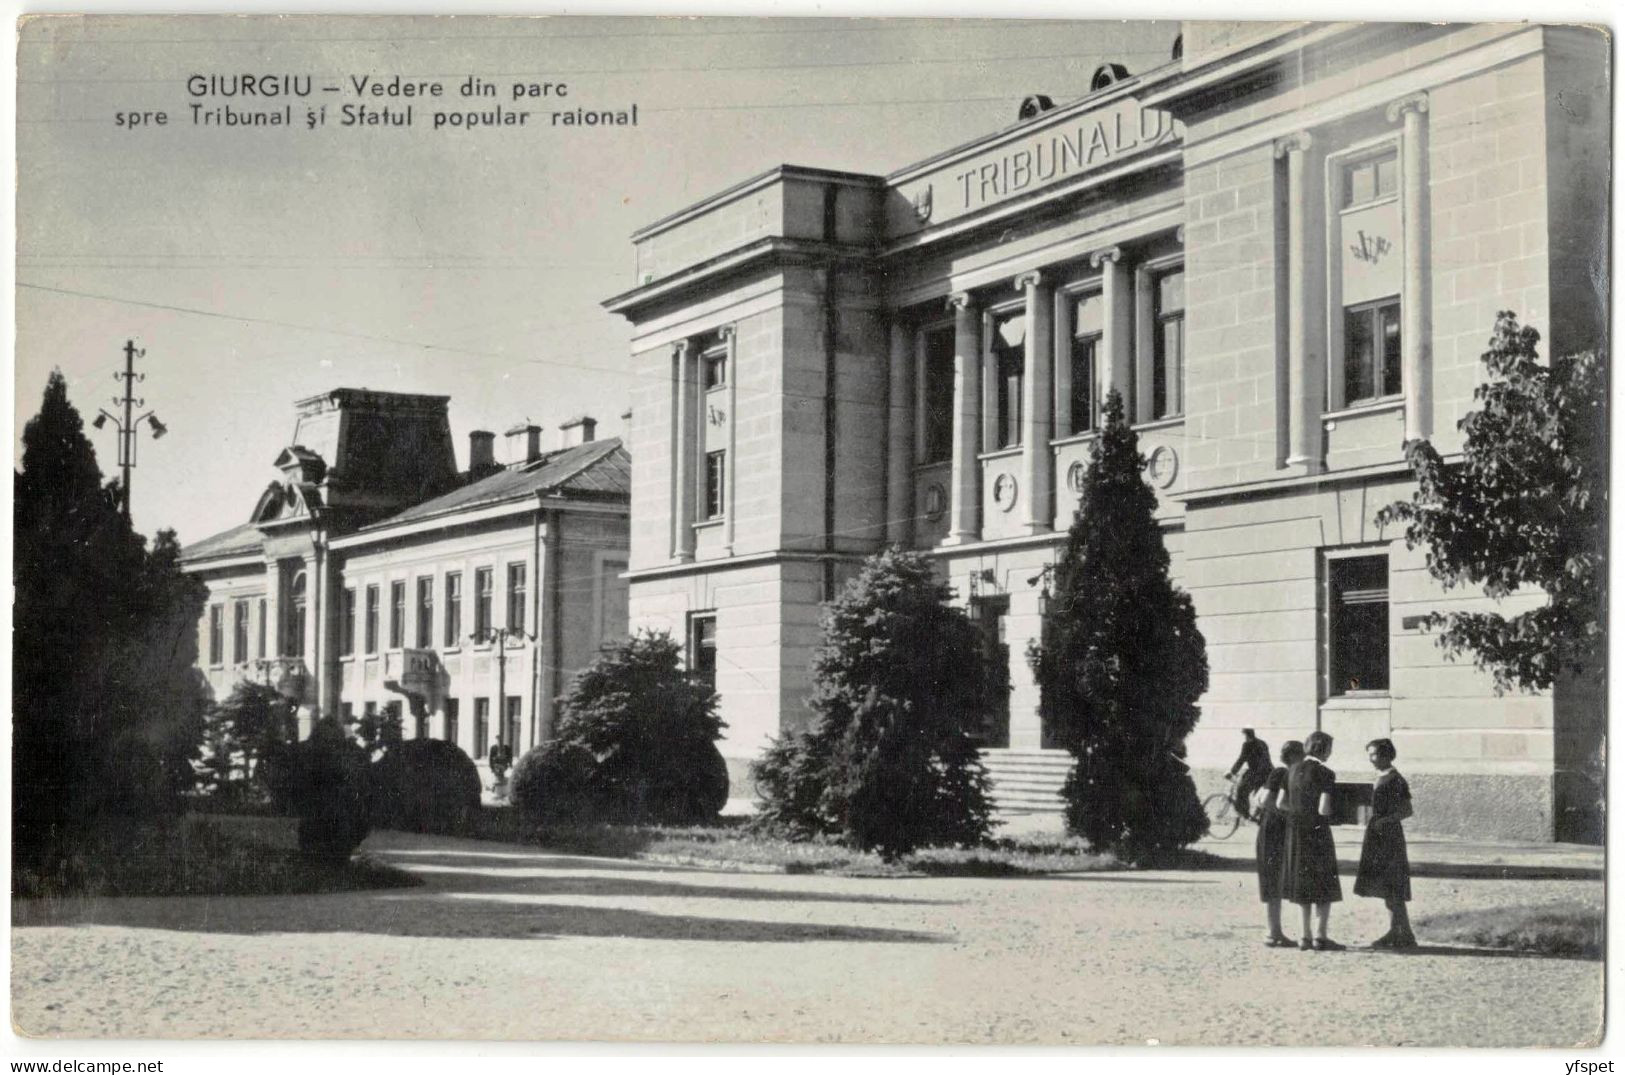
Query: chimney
pixel 577 431
pixel 626 426
pixel 481 451
pixel 524 443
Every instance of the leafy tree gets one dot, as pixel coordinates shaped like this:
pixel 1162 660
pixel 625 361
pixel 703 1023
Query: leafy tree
pixel 241 732
pixel 636 742
pixel 382 730
pixel 1121 663
pixel 890 762
pixel 108 703
pixel 1526 507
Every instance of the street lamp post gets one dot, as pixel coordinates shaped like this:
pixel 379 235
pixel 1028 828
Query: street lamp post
pixel 499 637
pixel 131 422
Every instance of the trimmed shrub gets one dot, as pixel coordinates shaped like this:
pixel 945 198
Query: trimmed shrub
pixel 902 689
pixel 324 781
pixel 636 744
pixel 425 785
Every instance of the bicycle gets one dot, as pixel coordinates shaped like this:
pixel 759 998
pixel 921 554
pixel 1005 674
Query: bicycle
pixel 1223 819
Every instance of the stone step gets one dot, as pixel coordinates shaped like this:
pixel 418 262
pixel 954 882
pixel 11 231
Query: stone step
pixel 1027 781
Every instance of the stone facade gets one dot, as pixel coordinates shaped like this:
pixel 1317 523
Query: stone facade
pixel 1285 248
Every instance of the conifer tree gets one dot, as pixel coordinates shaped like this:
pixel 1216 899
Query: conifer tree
pixel 1122 664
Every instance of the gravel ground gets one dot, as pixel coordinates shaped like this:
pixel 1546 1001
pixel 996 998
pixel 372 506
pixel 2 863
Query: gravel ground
pixel 508 942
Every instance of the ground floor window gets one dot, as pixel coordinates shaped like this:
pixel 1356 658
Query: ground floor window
pixel 1357 624
pixel 452 707
pixel 515 704
pixel 482 725
pixel 702 647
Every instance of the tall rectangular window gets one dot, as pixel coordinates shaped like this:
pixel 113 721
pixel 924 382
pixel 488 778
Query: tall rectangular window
pixel 397 614
pixel 515 704
pixel 294 626
pixel 239 632
pixel 482 725
pixel 453 709
pixel 1168 346
pixel 702 647
pixel 454 609
pixel 347 623
pixel 217 634
pixel 425 611
pixel 716 484
pixel 714 368
pixel 1371 354
pixel 516 595
pixel 1088 326
pixel 372 619
pixel 937 380
pixel 991 617
pixel 482 602
pixel 259 643
pixel 1357 624
pixel 1010 359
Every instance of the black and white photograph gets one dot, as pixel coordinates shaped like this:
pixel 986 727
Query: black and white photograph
pixel 810 531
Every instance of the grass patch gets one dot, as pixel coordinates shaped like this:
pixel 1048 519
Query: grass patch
pixel 1571 928
pixel 733 845
pixel 169 860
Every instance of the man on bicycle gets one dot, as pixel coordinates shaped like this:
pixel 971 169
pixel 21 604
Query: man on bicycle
pixel 1253 763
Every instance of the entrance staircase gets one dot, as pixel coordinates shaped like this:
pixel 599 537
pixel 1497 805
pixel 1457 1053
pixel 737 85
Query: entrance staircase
pixel 1027 781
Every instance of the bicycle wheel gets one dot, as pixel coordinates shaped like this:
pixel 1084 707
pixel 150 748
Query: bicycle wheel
pixel 1222 817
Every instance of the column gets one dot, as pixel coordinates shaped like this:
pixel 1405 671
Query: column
pixel 1037 462
pixel 1416 330
pixel 965 501
pixel 900 436
pixel 311 697
pixel 1305 362
pixel 275 586
pixel 730 491
pixel 685 417
pixel 1117 369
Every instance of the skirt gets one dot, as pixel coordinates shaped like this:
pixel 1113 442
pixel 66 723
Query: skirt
pixel 1385 865
pixel 1271 847
pixel 1309 863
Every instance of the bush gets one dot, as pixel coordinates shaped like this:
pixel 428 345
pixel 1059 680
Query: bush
pixel 902 689
pixel 324 781
pixel 636 744
pixel 425 785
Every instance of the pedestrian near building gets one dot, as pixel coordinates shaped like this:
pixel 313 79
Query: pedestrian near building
pixel 1253 763
pixel 1271 841
pixel 1385 868
pixel 1309 860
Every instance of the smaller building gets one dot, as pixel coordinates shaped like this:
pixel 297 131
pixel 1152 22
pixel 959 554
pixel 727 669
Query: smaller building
pixel 374 575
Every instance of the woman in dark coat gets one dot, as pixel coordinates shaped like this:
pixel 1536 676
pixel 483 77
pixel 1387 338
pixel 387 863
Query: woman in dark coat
pixel 1272 841
pixel 1385 868
pixel 1309 862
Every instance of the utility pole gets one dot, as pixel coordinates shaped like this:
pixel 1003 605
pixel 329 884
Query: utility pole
pixel 127 427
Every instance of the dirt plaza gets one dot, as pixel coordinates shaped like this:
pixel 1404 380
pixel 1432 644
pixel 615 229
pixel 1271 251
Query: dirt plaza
pixel 512 942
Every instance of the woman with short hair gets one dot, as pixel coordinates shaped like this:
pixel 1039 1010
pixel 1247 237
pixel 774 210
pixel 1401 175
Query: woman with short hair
pixel 1385 867
pixel 1309 862
pixel 1272 841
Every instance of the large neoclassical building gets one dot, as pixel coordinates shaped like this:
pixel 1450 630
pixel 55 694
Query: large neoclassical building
pixel 1285 246
pixel 372 573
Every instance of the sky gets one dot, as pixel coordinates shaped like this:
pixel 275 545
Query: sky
pixel 261 266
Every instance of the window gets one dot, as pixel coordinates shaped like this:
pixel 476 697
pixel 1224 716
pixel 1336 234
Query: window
pixel 453 708
pixel 239 632
pixel 937 384
pixel 425 610
pixel 347 623
pixel 1010 358
pixel 516 596
pixel 716 484
pixel 1371 356
pixel 1168 346
pixel 702 648
pixel 1088 324
pixel 420 724
pixel 1370 180
pixel 1357 615
pixel 714 369
pixel 347 713
pixel 217 633
pixel 515 704
pixel 259 645
pixel 397 614
pixel 454 609
pixel 482 602
pixel 482 725
pixel 369 710
pixel 295 624
pixel 372 619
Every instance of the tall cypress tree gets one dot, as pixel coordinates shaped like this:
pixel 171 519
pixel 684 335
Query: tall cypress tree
pixel 1121 663
pixel 107 701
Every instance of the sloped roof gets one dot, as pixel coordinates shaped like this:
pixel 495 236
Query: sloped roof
pixel 599 469
pixel 238 541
